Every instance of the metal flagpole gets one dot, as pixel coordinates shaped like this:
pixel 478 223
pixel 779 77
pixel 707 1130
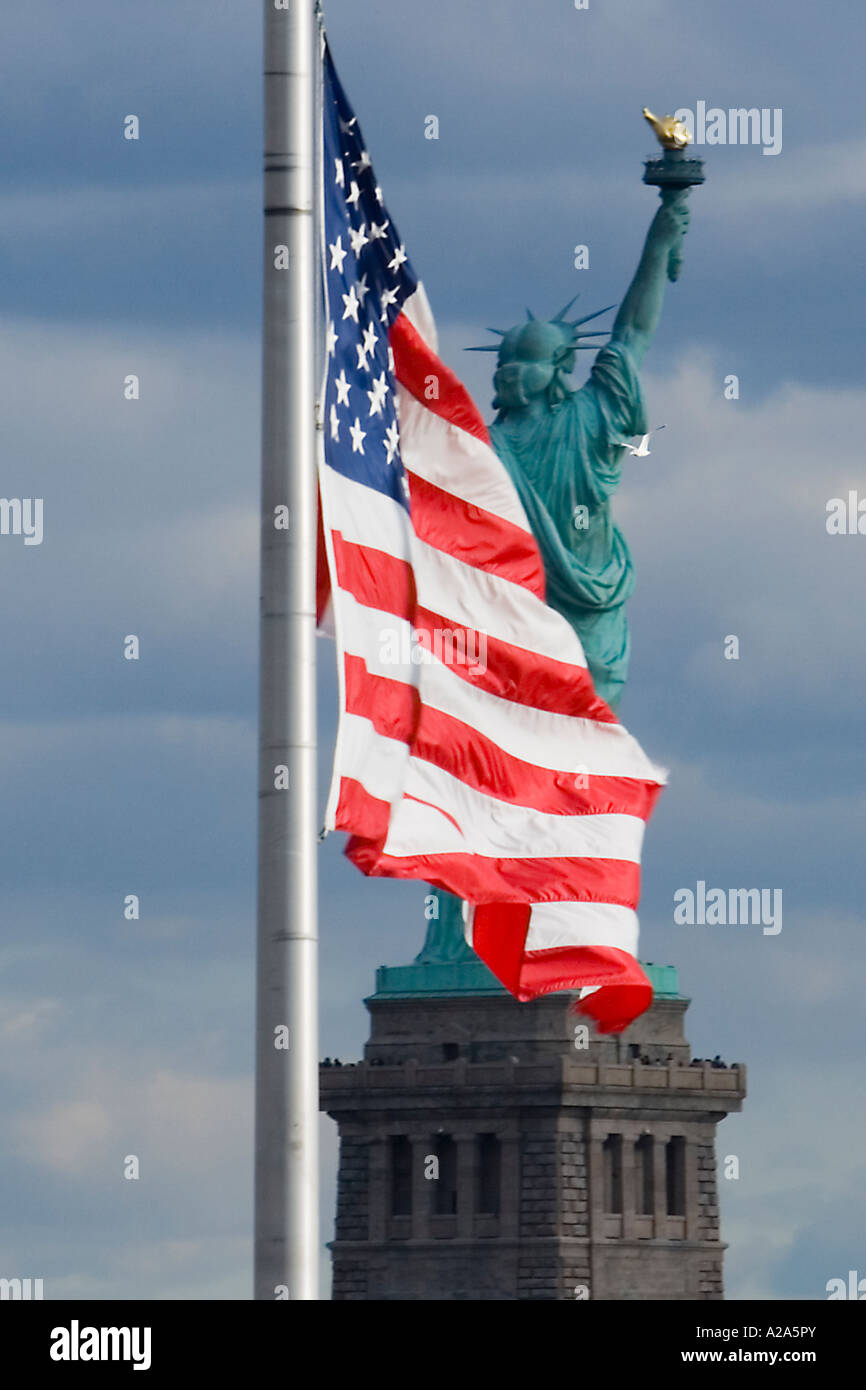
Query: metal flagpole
pixel 286 1168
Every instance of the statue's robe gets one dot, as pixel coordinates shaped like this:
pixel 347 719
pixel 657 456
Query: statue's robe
pixel 566 459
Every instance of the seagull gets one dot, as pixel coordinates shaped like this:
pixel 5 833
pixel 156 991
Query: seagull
pixel 641 450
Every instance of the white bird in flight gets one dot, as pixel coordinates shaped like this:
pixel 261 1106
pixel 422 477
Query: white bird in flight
pixel 641 450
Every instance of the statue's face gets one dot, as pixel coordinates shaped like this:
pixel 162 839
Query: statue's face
pixel 529 357
pixel 518 382
pixel 531 342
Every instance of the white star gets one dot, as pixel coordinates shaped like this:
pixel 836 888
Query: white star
pixel 371 338
pixel 346 126
pixel 340 175
pixel 338 255
pixel 392 441
pixel 331 339
pixel 362 357
pixel 352 305
pixel 354 194
pixel 378 195
pixel 388 297
pixel 342 386
pixel 377 232
pixel 335 424
pixel 359 239
pixel 362 163
pixel 363 290
pixel 398 260
pixel 358 437
pixel 390 358
pixel 377 395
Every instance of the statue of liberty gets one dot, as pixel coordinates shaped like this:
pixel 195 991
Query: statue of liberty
pixel 564 448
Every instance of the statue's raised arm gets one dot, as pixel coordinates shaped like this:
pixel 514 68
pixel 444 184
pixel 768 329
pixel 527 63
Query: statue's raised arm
pixel 640 311
pixel 673 174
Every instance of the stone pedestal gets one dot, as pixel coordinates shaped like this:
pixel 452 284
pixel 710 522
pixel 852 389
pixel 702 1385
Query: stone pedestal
pixel 577 1167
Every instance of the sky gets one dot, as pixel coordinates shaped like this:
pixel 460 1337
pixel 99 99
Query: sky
pixel 135 1037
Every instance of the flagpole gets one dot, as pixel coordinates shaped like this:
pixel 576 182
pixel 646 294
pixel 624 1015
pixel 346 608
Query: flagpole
pixel 286 1120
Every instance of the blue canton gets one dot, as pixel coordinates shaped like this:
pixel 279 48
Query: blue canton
pixel 367 279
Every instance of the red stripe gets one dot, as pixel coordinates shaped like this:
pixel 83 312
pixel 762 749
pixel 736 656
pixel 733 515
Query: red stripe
pixel 499 936
pixel 516 673
pixel 481 764
pixel 323 577
pixel 392 706
pixel 415 363
pixel 479 879
pixel 407 796
pixel 356 805
pixel 375 578
pixel 478 537
pixel 395 711
pixel 617 1005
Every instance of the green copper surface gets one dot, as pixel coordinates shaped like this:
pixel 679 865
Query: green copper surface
pixel 471 976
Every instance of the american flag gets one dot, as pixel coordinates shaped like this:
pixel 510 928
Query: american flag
pixel 472 751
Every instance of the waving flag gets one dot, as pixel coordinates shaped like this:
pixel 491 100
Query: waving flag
pixel 472 752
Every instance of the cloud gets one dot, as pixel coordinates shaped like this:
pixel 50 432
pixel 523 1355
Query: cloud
pixel 801 1180
pixel 809 179
pixel 66 1136
pixel 165 208
pixel 19 1021
pixel 727 520
pixel 182 1228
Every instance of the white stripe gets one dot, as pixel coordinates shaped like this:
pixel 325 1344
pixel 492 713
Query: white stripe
pixel 420 315
pixel 496 829
pixel 368 517
pixel 379 764
pixel 558 742
pixel 380 639
pixel 469 923
pixel 458 462
pixel 555 925
pixel 471 598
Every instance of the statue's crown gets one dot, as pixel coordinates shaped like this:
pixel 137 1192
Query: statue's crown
pixel 540 340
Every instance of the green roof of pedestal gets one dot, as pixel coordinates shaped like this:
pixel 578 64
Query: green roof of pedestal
pixel 473 977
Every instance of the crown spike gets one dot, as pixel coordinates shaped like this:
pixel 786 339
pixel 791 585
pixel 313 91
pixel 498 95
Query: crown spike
pixel 530 316
pixel 488 347
pixel 575 323
pixel 562 313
